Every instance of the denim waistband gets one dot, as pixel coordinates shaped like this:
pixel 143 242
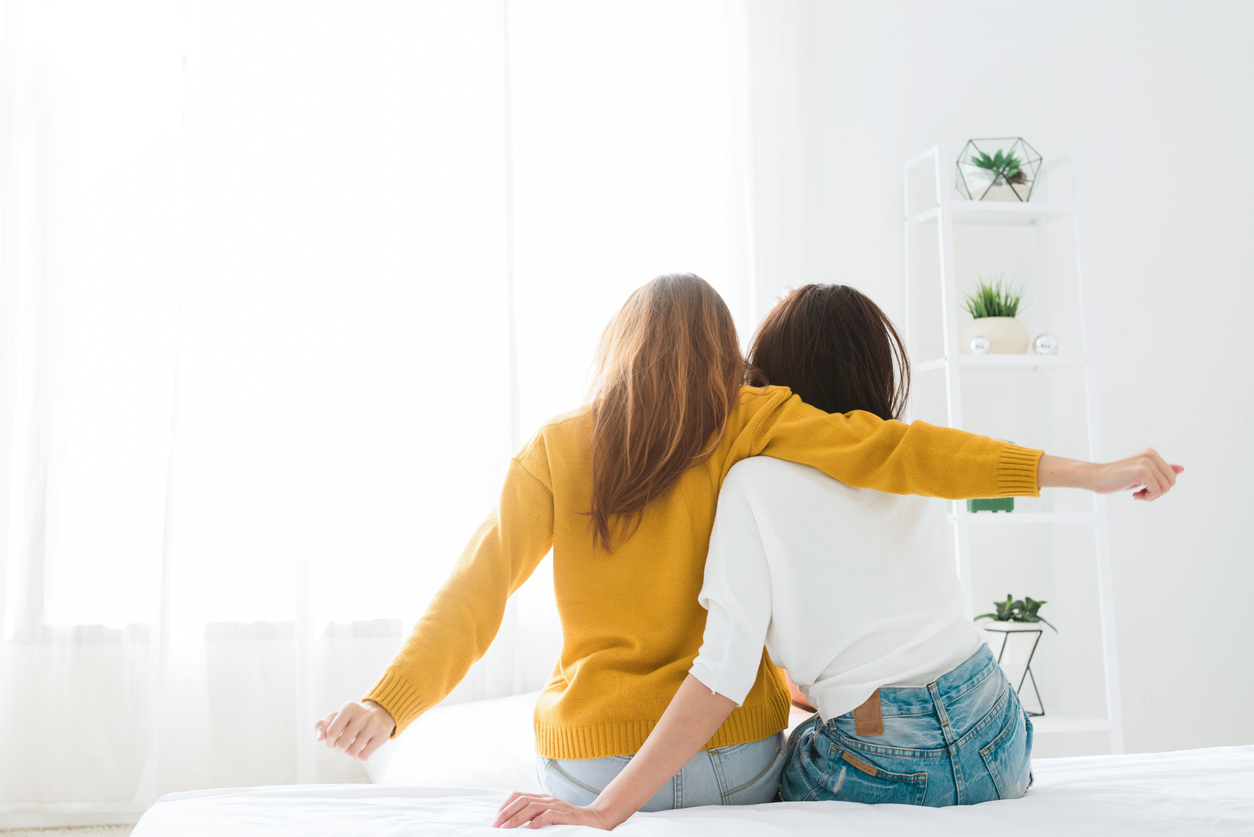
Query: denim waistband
pixel 917 700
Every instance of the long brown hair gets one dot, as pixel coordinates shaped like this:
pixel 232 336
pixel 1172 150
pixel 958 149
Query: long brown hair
pixel 834 347
pixel 668 371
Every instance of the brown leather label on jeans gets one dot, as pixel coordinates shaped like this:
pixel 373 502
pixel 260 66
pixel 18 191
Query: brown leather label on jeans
pixel 860 764
pixel 867 718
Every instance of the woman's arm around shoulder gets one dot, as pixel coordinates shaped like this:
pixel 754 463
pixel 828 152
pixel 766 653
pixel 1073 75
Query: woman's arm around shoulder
pixel 865 451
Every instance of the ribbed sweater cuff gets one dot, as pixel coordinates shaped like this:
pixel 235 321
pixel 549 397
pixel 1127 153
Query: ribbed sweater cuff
pixel 1016 472
pixel 400 699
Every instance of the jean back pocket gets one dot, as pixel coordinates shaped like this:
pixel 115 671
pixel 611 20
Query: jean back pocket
pixel 1009 755
pixel 851 779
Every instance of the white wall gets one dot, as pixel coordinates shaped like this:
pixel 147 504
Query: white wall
pixel 1157 99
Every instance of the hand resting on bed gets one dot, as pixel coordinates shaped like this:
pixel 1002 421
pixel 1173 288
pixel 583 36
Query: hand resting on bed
pixel 357 729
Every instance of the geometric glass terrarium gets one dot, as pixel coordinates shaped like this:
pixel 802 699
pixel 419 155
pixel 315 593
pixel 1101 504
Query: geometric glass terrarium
pixel 1018 623
pixel 1003 169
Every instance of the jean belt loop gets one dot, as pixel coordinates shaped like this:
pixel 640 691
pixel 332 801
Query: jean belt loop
pixel 950 740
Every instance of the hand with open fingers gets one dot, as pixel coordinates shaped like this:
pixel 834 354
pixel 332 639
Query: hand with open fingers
pixel 536 811
pixel 356 730
pixel 1146 469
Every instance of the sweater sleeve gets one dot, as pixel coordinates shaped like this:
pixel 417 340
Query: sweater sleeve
pixel 463 618
pixel 737 594
pixel 862 450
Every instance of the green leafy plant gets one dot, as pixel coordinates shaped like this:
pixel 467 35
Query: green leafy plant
pixel 1003 165
pixel 993 298
pixel 1017 610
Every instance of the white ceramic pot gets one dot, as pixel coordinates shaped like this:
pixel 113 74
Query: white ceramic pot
pixel 1008 335
pixel 1013 642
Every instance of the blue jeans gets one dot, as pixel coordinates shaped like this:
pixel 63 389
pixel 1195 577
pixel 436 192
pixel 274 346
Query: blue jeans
pixel 741 774
pixel 960 740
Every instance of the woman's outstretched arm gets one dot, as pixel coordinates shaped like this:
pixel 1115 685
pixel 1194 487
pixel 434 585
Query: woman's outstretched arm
pixel 691 719
pixel 462 619
pixel 865 451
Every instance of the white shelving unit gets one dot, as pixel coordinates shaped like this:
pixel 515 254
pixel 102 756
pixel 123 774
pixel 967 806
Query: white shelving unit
pixel 932 173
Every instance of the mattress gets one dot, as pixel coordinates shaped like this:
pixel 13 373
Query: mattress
pixel 1194 792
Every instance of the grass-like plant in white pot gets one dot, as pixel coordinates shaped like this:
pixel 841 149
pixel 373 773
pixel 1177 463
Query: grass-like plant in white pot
pixel 1014 634
pixel 994 305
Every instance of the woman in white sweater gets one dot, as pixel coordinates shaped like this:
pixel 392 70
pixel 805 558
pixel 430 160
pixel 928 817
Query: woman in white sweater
pixel 854 592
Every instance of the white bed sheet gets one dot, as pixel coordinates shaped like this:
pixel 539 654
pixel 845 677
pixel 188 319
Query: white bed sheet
pixel 1195 792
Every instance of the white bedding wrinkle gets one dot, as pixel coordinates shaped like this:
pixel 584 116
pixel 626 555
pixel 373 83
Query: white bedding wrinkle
pixel 1194 792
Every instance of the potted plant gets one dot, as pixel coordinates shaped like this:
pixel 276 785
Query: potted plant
pixel 1018 624
pixel 993 307
pixel 1002 169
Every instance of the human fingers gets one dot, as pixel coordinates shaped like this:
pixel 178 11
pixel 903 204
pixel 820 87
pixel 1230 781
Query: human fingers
pixel 1136 471
pixel 372 735
pixel 342 719
pixel 512 806
pixel 1144 493
pixel 320 728
pixel 510 801
pixel 1152 480
pixel 376 742
pixel 368 733
pixel 552 817
pixel 527 813
pixel 351 732
pixel 1165 471
pixel 345 728
pixel 567 815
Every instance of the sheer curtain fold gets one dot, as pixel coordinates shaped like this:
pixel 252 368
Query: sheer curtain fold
pixel 255 275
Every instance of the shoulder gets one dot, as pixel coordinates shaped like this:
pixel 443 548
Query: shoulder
pixel 576 421
pixel 758 470
pixel 780 487
pixel 561 436
pixel 768 483
pixel 754 406
pixel 755 399
pixel 572 424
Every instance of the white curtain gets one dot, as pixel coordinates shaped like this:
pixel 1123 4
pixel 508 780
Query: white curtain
pixel 282 287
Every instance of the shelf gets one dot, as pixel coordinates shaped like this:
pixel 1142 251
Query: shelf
pixel 1004 363
pixel 999 213
pixel 1062 722
pixel 933 243
pixel 987 518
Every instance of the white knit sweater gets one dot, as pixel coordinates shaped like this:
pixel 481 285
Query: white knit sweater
pixel 848 589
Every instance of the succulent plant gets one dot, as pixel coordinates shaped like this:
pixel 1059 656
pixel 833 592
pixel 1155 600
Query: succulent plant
pixel 1017 610
pixel 993 298
pixel 1005 165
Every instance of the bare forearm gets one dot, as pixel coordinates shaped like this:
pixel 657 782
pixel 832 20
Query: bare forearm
pixel 694 715
pixel 1059 472
pixel 1145 470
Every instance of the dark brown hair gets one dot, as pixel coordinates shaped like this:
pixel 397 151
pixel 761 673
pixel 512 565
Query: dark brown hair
pixel 668 370
pixel 834 347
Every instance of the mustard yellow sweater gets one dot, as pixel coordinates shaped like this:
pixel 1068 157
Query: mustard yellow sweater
pixel 631 624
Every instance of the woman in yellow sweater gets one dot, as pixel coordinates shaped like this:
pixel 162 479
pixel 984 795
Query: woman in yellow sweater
pixel 624 490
